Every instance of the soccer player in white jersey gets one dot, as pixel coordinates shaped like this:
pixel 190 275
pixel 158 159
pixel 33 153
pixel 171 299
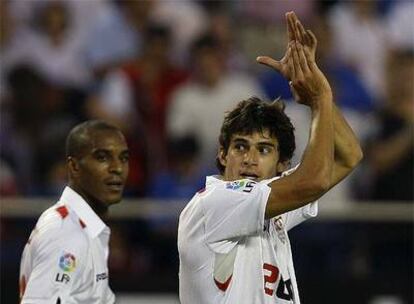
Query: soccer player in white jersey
pixel 65 259
pixel 232 236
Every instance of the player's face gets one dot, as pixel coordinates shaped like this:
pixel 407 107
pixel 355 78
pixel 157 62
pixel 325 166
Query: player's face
pixel 103 169
pixel 254 156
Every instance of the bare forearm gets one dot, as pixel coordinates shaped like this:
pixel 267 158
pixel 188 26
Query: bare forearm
pixel 319 154
pixel 347 150
pixel 313 176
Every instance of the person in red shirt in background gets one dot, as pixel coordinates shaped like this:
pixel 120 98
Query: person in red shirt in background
pixel 135 97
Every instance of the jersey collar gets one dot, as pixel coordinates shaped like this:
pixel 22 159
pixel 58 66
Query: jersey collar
pixel 94 225
pixel 214 179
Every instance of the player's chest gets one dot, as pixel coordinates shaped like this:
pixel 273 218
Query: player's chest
pixel 99 252
pixel 96 274
pixel 277 261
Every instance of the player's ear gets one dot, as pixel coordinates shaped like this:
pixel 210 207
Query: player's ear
pixel 222 156
pixel 73 166
pixel 282 166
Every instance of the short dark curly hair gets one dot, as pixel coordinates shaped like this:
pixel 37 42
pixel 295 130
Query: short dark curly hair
pixel 255 115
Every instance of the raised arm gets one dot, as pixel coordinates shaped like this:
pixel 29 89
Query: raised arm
pixel 313 176
pixel 347 149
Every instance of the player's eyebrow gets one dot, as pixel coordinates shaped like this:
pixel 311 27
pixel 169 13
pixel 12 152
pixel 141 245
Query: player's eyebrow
pixel 267 144
pixel 264 142
pixel 240 140
pixel 100 150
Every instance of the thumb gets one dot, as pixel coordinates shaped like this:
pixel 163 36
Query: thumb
pixel 270 62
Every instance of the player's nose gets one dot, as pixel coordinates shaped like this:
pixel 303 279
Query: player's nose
pixel 250 157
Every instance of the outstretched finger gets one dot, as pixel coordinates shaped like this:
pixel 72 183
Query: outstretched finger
pixel 311 36
pixel 304 39
pixel 290 20
pixel 270 62
pixel 310 58
pixel 298 61
pixel 291 65
pixel 303 58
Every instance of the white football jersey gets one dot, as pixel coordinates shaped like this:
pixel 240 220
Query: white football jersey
pixel 229 253
pixel 65 259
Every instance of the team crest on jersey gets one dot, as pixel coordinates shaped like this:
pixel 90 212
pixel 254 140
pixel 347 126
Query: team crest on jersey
pixel 67 262
pixel 241 185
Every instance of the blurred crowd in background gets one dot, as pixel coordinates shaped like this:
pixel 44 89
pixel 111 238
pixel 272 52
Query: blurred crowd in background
pixel 166 72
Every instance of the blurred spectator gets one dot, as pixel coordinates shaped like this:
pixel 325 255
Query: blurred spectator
pixel 274 11
pixel 136 97
pixel 186 19
pixel 128 257
pixel 182 178
pixel 56 48
pixel 222 27
pixel 8 184
pixel 360 40
pixel 35 119
pixel 390 151
pixel 115 36
pixel 400 25
pixel 13 45
pixel 197 108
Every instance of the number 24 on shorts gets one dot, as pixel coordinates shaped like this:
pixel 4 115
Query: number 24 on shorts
pixel 282 287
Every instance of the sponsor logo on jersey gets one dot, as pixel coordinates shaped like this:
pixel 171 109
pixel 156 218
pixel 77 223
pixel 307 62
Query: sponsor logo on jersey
pixel 242 185
pixel 67 262
pixel 101 276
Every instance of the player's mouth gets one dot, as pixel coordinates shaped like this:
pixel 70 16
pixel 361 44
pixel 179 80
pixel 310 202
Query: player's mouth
pixel 250 175
pixel 115 185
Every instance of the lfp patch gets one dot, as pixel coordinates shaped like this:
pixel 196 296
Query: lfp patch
pixel 67 262
pixel 236 184
pixel 244 185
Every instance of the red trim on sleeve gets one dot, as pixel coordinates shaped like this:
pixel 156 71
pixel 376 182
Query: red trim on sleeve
pixel 63 211
pixel 223 286
pixel 22 286
pixel 83 225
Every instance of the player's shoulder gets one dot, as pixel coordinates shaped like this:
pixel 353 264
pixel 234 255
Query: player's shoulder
pixel 219 190
pixel 60 224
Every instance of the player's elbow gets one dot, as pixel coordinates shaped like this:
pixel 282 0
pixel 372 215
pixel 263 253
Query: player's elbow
pixel 355 158
pixel 359 155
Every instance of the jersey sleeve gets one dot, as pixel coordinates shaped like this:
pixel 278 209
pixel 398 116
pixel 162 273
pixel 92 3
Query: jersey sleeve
pixel 233 210
pixel 51 265
pixel 297 216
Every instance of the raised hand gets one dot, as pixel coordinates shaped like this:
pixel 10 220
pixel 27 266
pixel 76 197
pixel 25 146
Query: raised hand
pixel 298 65
pixel 308 82
pixel 305 37
pixel 281 66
